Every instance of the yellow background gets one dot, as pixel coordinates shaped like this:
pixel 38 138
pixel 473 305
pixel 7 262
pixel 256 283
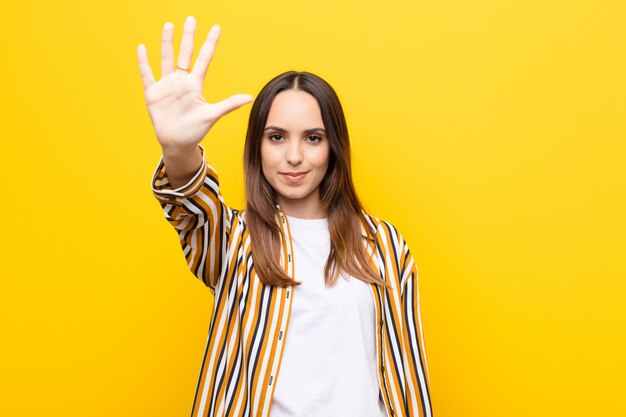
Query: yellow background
pixel 492 134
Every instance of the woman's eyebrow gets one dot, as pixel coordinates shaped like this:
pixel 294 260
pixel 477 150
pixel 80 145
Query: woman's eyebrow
pixel 307 131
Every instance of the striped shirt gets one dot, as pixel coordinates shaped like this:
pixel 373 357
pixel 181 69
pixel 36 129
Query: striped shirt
pixel 250 320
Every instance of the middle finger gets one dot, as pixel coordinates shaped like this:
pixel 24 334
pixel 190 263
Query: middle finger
pixel 186 43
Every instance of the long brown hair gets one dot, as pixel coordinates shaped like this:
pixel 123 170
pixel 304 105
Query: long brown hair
pixel 338 197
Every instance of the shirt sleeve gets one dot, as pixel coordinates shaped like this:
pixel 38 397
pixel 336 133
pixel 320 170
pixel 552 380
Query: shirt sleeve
pixel 415 363
pixel 201 218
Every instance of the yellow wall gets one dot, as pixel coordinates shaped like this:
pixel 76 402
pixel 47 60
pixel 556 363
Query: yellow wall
pixel 492 134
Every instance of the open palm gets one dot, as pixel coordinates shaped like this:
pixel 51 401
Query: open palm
pixel 180 115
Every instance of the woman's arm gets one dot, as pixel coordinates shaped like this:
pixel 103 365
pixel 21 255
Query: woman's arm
pixel 415 362
pixel 185 185
pixel 200 216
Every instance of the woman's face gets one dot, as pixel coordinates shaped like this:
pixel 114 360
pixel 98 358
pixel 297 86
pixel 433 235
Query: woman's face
pixel 295 152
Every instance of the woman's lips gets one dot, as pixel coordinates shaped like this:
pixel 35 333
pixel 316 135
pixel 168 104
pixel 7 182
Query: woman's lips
pixel 293 176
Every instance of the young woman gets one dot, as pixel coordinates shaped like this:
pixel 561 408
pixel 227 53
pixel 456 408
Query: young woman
pixel 316 302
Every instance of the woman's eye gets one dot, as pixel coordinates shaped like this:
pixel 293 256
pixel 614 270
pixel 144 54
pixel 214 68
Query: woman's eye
pixel 314 139
pixel 275 138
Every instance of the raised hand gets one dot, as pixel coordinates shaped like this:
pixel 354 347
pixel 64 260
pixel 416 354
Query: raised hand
pixel 180 115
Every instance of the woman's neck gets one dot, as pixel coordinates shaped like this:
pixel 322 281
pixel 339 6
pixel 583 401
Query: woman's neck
pixel 308 207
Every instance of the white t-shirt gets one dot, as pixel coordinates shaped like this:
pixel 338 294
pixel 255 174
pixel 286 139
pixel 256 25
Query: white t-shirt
pixel 329 365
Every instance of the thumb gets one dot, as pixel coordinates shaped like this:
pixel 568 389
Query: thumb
pixel 231 103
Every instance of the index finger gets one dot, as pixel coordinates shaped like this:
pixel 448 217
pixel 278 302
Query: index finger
pixel 206 52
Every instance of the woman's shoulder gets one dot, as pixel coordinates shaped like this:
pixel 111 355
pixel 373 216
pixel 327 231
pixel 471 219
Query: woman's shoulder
pixel 383 230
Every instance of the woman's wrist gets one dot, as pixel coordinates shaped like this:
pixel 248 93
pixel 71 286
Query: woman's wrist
pixel 181 164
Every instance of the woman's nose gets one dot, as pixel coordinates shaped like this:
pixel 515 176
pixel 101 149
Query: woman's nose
pixel 294 153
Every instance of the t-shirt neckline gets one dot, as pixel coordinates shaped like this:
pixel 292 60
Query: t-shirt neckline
pixel 304 222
